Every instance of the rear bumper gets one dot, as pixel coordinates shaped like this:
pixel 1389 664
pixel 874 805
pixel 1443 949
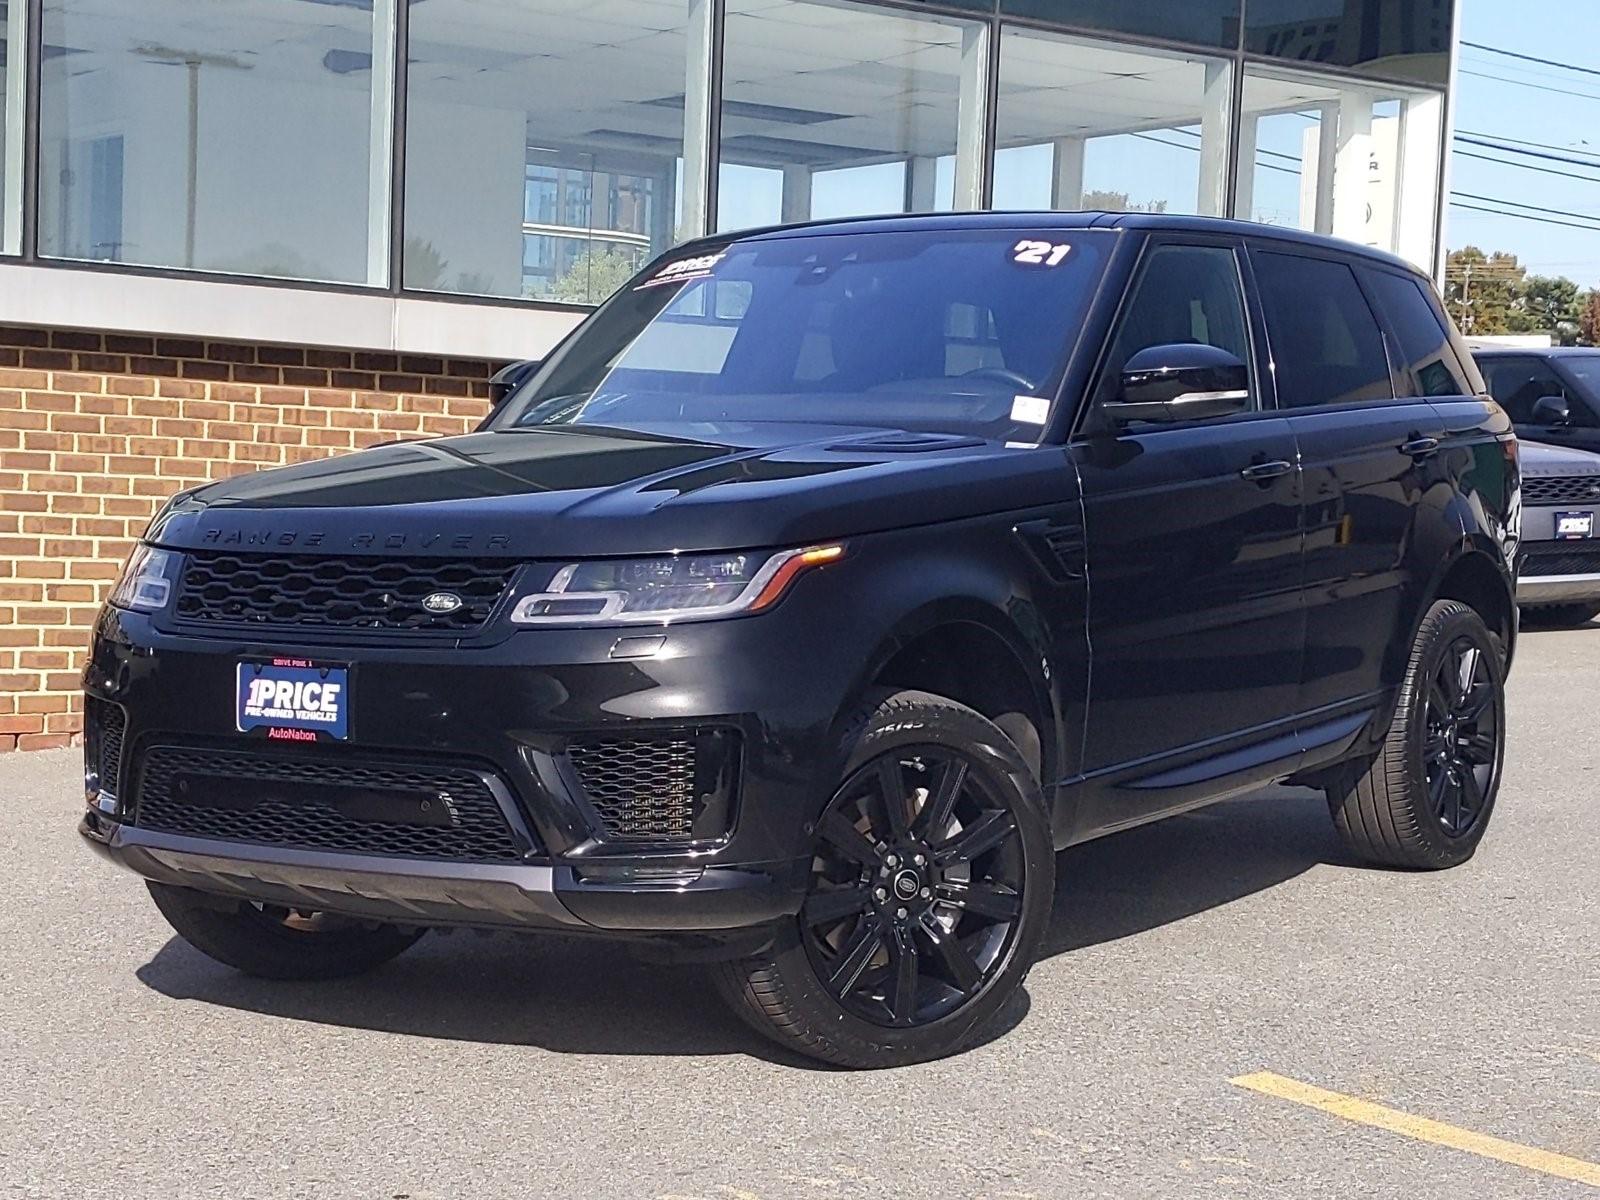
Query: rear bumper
pixel 713 901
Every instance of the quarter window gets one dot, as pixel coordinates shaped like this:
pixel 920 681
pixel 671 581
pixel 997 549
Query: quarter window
pixel 1424 340
pixel 1326 345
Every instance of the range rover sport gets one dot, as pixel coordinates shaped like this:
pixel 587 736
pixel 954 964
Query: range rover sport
pixel 811 595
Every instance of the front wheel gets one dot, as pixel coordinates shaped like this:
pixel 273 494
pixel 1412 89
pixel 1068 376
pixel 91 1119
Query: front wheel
pixel 1424 800
pixel 279 943
pixel 932 873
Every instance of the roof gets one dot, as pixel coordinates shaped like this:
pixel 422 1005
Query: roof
pixel 1046 220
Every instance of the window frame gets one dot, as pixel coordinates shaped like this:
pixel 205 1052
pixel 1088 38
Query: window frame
pixel 1261 246
pixel 1090 422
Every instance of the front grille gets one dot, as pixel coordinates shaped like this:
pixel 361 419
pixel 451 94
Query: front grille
pixel 105 723
pixel 1561 489
pixel 308 803
pixel 313 591
pixel 1561 558
pixel 665 789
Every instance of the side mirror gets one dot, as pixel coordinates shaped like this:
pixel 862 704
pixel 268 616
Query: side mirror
pixel 1184 381
pixel 509 378
pixel 1552 410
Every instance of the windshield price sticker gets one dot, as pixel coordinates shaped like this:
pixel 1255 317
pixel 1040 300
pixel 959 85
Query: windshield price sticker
pixel 1028 253
pixel 683 269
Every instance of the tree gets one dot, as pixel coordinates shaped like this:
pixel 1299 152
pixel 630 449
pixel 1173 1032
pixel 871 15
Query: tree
pixel 1548 304
pixel 1480 289
pixel 1100 201
pixel 1589 320
pixel 594 275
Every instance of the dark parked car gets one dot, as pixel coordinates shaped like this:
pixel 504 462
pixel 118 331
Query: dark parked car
pixel 1552 395
pixel 1558 577
pixel 816 591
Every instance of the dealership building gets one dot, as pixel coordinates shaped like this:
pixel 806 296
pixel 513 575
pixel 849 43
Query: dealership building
pixel 240 233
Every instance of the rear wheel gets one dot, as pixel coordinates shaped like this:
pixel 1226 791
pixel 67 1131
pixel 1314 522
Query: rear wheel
pixel 1424 800
pixel 279 943
pixel 1561 615
pixel 931 880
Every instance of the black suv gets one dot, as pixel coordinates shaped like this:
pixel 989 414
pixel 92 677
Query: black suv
pixel 1552 395
pixel 814 592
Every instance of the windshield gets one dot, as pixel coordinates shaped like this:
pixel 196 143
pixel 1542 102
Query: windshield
pixel 1585 368
pixel 962 332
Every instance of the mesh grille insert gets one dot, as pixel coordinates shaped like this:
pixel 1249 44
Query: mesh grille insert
pixel 107 723
pixel 313 591
pixel 323 804
pixel 1561 558
pixel 668 788
pixel 1561 489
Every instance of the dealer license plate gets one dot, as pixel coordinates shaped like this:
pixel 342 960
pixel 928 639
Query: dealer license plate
pixel 1574 525
pixel 293 700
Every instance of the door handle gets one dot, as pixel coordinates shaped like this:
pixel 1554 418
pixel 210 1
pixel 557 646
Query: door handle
pixel 1419 447
pixel 1264 471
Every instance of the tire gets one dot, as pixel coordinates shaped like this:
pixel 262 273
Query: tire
pixel 274 943
pixel 1424 800
pixel 917 931
pixel 1563 616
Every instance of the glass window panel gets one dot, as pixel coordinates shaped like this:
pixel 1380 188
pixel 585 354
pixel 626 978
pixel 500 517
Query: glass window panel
pixel 1096 125
pixel 1356 161
pixel 842 110
pixel 1404 39
pixel 235 135
pixel 1207 22
pixel 1420 330
pixel 12 16
pixel 1326 347
pixel 1184 294
pixel 544 144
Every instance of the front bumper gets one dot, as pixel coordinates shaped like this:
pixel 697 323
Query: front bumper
pixel 505 711
pixel 1558 589
pixel 713 901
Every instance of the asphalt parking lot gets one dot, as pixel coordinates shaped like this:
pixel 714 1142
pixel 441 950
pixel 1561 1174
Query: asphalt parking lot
pixel 1184 956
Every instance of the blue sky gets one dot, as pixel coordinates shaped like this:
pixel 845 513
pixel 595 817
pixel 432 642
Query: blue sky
pixel 1552 29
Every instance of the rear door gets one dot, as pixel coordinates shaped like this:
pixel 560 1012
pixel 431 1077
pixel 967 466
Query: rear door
pixel 1193 543
pixel 1369 453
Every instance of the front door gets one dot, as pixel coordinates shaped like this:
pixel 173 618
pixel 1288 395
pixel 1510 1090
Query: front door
pixel 1193 536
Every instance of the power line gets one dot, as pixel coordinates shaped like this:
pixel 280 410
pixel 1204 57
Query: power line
pixel 1500 212
pixel 1524 83
pixel 1539 154
pixel 1547 62
pixel 1556 212
pixel 1506 162
pixel 1500 137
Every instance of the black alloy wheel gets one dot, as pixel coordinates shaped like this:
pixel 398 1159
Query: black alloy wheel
pixel 1460 747
pixel 916 887
pixel 929 874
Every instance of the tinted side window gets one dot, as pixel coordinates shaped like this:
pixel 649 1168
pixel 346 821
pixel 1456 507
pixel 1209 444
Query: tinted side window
pixel 1519 383
pixel 1325 341
pixel 1187 294
pixel 1424 340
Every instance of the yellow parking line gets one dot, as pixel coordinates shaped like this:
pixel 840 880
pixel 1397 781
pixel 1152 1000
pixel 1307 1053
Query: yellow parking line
pixel 1366 1113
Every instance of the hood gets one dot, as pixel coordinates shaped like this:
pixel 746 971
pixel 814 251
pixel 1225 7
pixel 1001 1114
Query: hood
pixel 1538 458
pixel 584 491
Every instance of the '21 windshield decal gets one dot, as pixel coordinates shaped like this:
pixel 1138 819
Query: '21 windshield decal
pixel 1028 253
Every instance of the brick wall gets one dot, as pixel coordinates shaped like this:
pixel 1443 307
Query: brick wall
pixel 97 429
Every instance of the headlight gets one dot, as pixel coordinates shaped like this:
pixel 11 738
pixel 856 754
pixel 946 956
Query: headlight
pixel 146 583
pixel 670 588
